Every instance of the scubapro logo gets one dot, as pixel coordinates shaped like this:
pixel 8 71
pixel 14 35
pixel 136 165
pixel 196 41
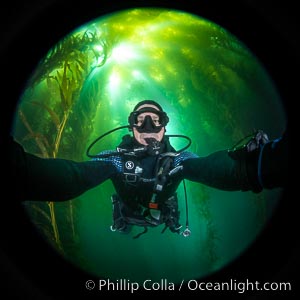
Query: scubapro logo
pixel 129 165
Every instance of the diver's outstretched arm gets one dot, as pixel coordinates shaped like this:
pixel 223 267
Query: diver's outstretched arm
pixel 49 179
pixel 264 167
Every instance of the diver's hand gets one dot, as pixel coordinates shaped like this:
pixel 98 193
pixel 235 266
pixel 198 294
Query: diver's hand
pixel 246 154
pixel 248 144
pixel 259 139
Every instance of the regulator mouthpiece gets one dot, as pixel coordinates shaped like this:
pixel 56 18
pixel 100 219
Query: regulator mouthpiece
pixel 154 147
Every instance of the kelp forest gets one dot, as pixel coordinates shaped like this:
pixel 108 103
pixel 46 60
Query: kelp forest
pixel 60 124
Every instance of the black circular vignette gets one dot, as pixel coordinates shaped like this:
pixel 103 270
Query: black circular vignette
pixel 29 267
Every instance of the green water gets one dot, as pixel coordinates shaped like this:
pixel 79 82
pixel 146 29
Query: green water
pixel 213 89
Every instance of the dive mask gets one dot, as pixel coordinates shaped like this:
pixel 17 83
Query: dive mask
pixel 148 124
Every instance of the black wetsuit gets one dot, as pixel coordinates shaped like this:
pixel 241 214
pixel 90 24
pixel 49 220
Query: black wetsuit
pixel 49 179
pixel 139 188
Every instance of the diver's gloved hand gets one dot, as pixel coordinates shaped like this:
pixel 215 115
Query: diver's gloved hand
pixel 247 153
pixel 249 144
pixel 262 163
pixel 259 139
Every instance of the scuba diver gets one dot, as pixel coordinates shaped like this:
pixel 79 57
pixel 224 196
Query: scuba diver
pixel 146 171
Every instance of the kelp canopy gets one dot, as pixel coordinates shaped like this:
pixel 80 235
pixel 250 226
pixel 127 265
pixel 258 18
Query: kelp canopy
pixel 213 89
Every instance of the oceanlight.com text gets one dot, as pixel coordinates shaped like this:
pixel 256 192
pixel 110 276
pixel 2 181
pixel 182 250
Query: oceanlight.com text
pixel 238 286
pixel 191 285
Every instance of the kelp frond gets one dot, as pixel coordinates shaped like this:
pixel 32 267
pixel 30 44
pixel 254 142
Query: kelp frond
pixel 72 48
